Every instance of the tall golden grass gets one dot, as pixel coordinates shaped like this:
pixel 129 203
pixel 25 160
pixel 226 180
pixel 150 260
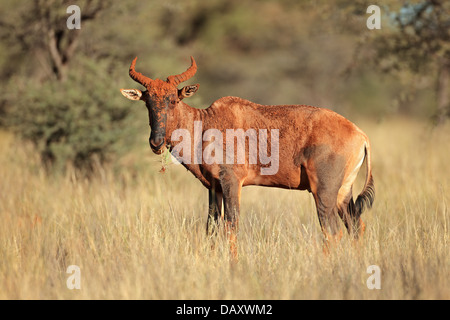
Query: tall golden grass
pixel 139 234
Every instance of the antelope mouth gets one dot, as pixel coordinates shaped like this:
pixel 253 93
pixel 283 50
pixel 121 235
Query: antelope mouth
pixel 158 149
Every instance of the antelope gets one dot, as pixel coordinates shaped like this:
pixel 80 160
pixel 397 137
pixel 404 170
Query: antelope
pixel 319 151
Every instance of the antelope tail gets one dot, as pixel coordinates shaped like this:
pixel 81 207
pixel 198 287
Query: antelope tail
pixel 367 195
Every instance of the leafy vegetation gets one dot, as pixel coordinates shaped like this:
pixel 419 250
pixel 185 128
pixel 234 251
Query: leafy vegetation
pixel 272 52
pixel 72 122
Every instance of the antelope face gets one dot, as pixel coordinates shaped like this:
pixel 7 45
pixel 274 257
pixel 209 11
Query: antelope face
pixel 160 97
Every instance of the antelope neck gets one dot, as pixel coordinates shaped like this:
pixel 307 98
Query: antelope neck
pixel 183 117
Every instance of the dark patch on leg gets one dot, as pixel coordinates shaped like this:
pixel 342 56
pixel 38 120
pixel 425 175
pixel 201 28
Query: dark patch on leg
pixel 214 210
pixel 328 169
pixel 351 217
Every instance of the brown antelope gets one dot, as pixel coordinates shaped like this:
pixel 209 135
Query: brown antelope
pixel 319 151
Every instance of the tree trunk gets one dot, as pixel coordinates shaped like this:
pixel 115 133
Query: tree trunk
pixel 60 57
pixel 443 91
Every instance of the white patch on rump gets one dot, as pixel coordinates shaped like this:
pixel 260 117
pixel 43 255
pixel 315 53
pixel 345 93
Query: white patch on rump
pixel 350 179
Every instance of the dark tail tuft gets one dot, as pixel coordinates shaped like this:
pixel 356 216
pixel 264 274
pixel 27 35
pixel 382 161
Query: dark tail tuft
pixel 366 198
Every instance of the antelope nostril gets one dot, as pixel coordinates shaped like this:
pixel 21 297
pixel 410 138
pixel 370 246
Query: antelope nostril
pixel 155 144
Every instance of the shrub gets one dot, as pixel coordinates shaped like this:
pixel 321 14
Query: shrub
pixel 78 122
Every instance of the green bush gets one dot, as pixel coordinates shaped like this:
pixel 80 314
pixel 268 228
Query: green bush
pixel 79 122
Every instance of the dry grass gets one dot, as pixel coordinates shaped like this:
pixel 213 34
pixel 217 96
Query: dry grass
pixel 143 236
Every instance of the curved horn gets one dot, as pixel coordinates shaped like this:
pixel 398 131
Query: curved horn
pixel 189 73
pixel 137 76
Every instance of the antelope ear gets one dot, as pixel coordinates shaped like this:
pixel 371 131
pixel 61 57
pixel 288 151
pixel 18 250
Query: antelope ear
pixel 132 94
pixel 187 91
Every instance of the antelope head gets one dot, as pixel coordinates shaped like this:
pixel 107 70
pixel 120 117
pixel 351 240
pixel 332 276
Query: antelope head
pixel 160 97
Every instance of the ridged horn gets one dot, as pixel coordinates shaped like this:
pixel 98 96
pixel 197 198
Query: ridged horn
pixel 137 76
pixel 189 73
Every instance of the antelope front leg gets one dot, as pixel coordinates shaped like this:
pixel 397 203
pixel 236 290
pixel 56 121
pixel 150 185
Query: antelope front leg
pixel 231 187
pixel 231 223
pixel 214 210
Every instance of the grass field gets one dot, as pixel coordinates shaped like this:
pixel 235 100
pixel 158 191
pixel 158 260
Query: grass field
pixel 138 234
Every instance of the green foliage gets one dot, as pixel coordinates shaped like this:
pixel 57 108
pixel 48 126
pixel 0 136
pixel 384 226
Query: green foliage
pixel 78 122
pixel 416 39
pixel 419 37
pixel 59 90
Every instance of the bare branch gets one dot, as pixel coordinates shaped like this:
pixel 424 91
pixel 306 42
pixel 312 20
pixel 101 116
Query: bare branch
pixel 91 11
